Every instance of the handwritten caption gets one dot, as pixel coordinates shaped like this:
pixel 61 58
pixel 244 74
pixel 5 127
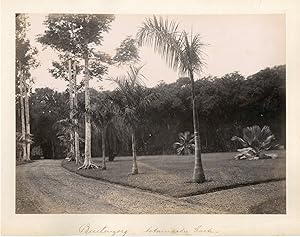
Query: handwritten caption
pixel 88 229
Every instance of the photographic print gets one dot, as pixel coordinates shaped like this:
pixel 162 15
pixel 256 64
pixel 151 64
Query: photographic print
pixel 150 114
pixel 162 118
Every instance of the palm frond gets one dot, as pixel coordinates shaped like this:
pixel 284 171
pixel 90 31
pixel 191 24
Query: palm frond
pixel 164 37
pixel 242 141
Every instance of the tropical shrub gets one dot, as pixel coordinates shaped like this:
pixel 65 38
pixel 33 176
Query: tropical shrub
pixel 255 142
pixel 185 145
pixel 37 152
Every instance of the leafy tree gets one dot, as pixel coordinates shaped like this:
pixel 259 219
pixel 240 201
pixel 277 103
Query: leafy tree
pixel 127 52
pixel 78 34
pixel 47 107
pixel 182 52
pixel 25 61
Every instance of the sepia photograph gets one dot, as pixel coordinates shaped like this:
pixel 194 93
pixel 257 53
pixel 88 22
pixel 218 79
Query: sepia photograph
pixel 150 114
pixel 150 118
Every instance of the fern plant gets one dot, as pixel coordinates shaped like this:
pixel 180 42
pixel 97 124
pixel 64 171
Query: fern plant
pixel 255 142
pixel 185 145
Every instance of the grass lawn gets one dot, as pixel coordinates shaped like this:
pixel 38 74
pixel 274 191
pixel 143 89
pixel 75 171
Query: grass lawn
pixel 171 175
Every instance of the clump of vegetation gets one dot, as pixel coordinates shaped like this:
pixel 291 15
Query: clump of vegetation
pixel 255 142
pixel 37 152
pixel 186 143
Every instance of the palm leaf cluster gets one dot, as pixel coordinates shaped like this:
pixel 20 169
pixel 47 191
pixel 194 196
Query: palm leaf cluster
pixel 179 49
pixel 135 97
pixel 186 143
pixel 102 110
pixel 255 141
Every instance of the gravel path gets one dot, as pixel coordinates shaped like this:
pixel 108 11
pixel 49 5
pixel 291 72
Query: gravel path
pixel 265 198
pixel 45 187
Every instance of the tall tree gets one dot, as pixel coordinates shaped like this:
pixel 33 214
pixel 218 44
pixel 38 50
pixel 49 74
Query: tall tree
pixel 25 61
pixel 182 52
pixel 134 101
pixel 78 34
pixel 103 113
pixel 127 52
pixel 68 69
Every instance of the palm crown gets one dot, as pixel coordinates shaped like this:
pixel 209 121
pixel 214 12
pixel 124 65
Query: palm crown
pixel 180 50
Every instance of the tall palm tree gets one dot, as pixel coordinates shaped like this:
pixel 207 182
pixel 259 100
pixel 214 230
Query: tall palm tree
pixel 182 52
pixel 135 98
pixel 102 113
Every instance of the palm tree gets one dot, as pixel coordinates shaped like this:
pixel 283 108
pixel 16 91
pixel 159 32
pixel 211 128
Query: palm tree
pixel 102 112
pixel 182 52
pixel 135 98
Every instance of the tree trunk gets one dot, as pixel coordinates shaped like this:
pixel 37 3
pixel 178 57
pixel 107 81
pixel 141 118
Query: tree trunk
pixel 103 149
pixel 77 153
pixel 24 158
pixel 71 111
pixel 134 164
pixel 27 118
pixel 52 149
pixel 198 175
pixel 87 145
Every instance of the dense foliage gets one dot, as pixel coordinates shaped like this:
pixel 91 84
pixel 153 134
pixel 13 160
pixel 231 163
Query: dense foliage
pixel 226 105
pixel 255 142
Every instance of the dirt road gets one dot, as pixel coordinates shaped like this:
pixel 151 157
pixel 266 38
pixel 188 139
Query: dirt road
pixel 45 187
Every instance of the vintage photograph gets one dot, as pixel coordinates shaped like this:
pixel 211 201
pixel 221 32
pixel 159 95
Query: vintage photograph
pixel 150 114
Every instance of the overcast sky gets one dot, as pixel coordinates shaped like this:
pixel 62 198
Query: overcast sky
pixel 244 43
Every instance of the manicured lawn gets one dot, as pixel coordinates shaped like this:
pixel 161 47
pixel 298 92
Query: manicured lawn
pixel 171 175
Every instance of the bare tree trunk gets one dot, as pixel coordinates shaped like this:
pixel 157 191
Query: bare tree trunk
pixel 77 153
pixel 52 149
pixel 134 164
pixel 71 110
pixel 27 118
pixel 23 118
pixel 198 175
pixel 87 146
pixel 103 148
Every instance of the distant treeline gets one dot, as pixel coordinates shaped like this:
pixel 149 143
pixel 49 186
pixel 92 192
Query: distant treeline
pixel 225 105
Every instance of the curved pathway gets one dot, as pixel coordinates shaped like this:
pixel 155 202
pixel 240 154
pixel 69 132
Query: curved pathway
pixel 45 187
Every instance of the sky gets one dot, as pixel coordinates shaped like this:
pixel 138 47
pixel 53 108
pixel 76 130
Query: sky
pixel 243 43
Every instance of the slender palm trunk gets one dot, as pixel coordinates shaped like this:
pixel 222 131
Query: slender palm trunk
pixel 198 175
pixel 71 111
pixel 27 118
pixel 76 138
pixel 23 118
pixel 134 164
pixel 103 148
pixel 52 149
pixel 87 146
